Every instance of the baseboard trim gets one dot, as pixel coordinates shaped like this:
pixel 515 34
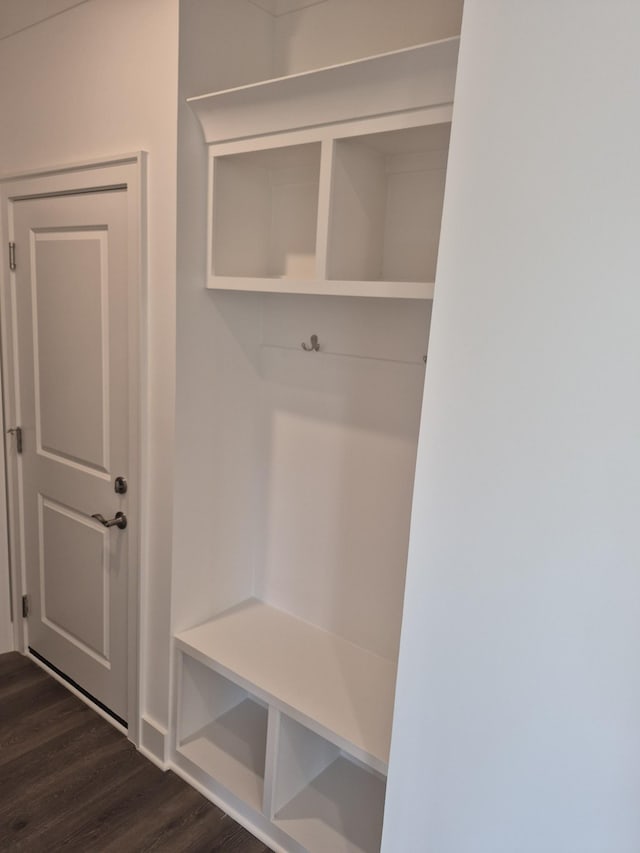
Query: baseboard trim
pixel 153 742
pixel 258 826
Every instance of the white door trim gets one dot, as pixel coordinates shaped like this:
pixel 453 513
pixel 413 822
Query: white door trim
pixel 129 169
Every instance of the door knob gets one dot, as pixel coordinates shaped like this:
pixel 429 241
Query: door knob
pixel 119 521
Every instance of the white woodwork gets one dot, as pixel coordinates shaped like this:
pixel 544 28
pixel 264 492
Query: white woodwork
pixel 265 212
pixel 395 82
pixel 299 757
pixel 223 731
pixel 356 215
pixel 335 688
pixel 270 772
pixel 295 469
pixel 388 191
pixel 315 287
pixel 324 800
pixel 340 810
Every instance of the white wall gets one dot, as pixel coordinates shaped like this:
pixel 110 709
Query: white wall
pixel 518 705
pixel 337 31
pixel 217 342
pixel 96 80
pixel 317 35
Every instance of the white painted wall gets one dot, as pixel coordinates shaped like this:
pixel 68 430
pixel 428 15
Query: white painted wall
pixel 101 79
pixel 337 31
pixel 313 36
pixel 217 345
pixel 518 700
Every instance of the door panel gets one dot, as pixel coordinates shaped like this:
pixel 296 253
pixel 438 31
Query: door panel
pixel 74 567
pixel 73 398
pixel 71 375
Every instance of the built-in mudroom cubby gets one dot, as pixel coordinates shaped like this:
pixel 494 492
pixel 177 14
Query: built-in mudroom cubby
pixel 314 190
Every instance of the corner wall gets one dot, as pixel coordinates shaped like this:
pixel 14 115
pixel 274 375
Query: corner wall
pixel 97 80
pixel 518 703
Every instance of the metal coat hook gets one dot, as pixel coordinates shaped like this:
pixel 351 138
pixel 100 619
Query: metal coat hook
pixel 315 346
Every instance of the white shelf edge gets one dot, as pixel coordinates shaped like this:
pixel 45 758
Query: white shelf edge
pixel 215 644
pixel 365 756
pixel 326 287
pixel 301 75
pixel 396 81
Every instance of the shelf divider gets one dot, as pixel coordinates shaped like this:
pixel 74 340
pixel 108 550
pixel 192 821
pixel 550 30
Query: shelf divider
pixel 324 207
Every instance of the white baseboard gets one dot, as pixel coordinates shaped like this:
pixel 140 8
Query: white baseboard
pixel 153 742
pixel 258 825
pixel 6 638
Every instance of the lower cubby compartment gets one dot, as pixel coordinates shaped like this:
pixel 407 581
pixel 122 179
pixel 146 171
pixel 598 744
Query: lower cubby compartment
pixel 323 799
pixel 222 729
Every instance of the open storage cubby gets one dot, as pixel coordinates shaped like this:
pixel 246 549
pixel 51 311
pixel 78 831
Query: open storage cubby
pixel 222 730
pixel 387 195
pixel 323 798
pixel 349 213
pixel 339 689
pixel 331 181
pixel 312 790
pixel 265 210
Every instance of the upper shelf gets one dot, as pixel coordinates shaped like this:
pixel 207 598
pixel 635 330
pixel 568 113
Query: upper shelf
pixel 401 80
pixel 326 287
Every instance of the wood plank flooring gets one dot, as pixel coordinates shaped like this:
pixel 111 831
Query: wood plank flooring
pixel 69 781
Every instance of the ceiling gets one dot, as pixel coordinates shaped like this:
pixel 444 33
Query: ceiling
pixel 16 15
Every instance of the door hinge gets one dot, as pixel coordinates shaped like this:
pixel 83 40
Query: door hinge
pixel 12 256
pixel 17 431
pixel 25 606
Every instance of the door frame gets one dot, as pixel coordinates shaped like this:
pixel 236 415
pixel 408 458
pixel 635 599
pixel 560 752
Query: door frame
pixel 103 174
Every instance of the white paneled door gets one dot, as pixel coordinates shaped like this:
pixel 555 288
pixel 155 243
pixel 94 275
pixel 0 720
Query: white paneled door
pixel 73 398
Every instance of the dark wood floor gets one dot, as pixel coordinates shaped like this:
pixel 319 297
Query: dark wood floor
pixel 69 781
